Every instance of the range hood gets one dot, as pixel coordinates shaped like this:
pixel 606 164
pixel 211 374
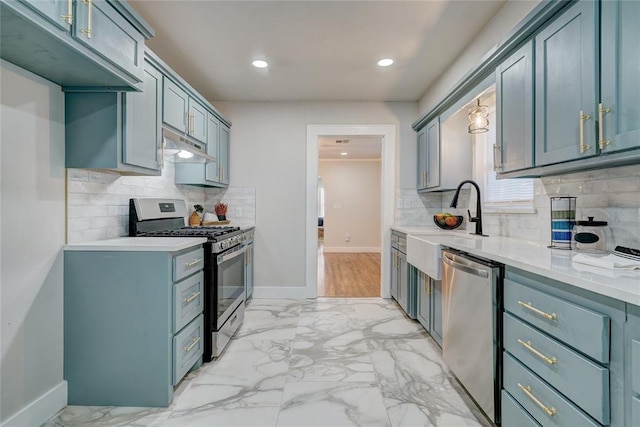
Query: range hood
pixel 178 143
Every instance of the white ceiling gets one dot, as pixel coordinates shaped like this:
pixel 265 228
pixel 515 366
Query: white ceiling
pixel 357 147
pixel 317 50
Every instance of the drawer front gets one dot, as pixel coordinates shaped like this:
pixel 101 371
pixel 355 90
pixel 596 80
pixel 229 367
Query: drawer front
pixel 581 328
pixel 188 300
pixel 188 263
pixel 513 414
pixel 536 397
pixel 584 382
pixel 635 365
pixel 187 348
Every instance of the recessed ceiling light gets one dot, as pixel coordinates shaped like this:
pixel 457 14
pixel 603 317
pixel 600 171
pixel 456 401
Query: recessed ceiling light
pixel 344 153
pixel 259 63
pixel 385 62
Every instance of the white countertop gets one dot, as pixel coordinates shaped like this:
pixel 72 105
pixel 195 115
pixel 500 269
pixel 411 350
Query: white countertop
pixel 536 257
pixel 138 244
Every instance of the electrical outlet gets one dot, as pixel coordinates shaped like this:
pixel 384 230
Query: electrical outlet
pixel 238 212
pixel 347 238
pixel 407 203
pixel 337 206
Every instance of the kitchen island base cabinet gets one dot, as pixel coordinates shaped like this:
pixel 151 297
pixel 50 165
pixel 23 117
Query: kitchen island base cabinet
pixel 121 346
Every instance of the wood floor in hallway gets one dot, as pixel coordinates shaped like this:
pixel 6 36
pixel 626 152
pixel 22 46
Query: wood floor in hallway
pixel 348 274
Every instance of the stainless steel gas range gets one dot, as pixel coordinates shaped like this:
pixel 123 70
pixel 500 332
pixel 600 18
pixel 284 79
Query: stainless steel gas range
pixel 223 265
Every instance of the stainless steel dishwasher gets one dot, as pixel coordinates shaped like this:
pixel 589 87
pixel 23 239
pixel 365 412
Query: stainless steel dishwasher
pixel 472 326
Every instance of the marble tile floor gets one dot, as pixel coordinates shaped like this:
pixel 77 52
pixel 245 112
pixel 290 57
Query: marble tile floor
pixel 329 362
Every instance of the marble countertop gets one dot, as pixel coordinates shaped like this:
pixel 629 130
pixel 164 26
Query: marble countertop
pixel 139 244
pixel 536 257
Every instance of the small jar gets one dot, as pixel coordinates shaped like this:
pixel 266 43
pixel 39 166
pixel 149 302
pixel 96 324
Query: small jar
pixel 591 236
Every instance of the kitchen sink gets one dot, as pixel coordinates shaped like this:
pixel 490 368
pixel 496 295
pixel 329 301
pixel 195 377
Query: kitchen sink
pixel 424 252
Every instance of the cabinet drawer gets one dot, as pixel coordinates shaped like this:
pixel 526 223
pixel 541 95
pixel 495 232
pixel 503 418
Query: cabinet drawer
pixel 635 365
pixel 536 397
pixel 187 263
pixel 187 348
pixel 581 328
pixel 584 382
pixel 188 300
pixel 513 414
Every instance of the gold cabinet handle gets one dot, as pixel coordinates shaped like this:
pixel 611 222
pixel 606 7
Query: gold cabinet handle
pixel 601 112
pixel 186 122
pixel 68 18
pixel 497 164
pixel 583 118
pixel 192 123
pixel 530 307
pixel 195 342
pixel 87 31
pixel 192 263
pixel 529 346
pixel 222 173
pixel 426 177
pixel 192 297
pixel 395 260
pixel 527 390
pixel 162 147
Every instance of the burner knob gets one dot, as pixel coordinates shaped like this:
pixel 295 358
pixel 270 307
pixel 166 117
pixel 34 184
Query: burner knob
pixel 223 245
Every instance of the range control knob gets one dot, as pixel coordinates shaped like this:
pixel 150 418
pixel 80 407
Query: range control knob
pixel 223 245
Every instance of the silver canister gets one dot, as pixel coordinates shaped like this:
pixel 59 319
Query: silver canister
pixel 591 236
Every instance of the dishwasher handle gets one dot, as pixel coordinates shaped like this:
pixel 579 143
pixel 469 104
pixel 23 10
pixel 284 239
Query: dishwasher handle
pixel 471 270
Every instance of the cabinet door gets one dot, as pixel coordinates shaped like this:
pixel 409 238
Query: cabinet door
pixel 197 120
pixel 143 123
pixel 620 68
pixel 101 28
pixel 175 105
pixel 422 159
pixel 223 153
pixel 394 273
pixel 433 153
pixel 436 310
pixel 424 300
pixel 566 86
pixel 59 12
pixel 211 170
pixel 403 282
pixel 514 111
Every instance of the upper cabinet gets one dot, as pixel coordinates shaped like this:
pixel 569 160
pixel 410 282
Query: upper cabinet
pixel 619 109
pixel 223 153
pixel 183 113
pixel 566 86
pixel 78 44
pixel 514 111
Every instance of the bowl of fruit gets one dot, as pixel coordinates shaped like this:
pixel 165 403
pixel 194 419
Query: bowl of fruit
pixel 446 221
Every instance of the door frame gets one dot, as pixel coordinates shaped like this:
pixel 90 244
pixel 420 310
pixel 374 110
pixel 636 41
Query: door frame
pixel 388 161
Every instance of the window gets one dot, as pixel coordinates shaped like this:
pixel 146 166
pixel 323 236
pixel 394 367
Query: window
pixel 498 194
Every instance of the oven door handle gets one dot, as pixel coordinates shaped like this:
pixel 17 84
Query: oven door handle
pixel 227 257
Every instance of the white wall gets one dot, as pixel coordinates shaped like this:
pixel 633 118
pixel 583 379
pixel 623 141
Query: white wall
pixel 32 230
pixel 496 29
pixel 268 152
pixel 352 205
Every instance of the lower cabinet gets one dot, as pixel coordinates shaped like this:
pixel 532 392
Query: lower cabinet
pixel 563 360
pixel 133 324
pixel 429 304
pixel 633 364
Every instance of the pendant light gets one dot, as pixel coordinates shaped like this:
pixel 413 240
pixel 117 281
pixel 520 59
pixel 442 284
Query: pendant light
pixel 479 118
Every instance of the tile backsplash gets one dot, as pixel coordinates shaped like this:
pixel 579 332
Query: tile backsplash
pixel 611 194
pixel 98 200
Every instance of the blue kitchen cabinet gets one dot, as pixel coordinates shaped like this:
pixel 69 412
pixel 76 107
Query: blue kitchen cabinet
pixel 565 81
pixel 423 285
pixel 436 310
pixel 80 45
pixel 223 153
pixel 212 170
pixel 133 324
pixel 564 361
pixel 514 111
pixel 120 131
pixel 619 127
pixel 632 368
pixel 182 112
pixel 422 159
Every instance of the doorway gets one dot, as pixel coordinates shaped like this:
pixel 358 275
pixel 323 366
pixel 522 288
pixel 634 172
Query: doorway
pixel 349 215
pixel 387 136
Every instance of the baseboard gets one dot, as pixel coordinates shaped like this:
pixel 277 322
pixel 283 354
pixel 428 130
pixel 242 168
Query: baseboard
pixel 347 249
pixel 41 409
pixel 275 292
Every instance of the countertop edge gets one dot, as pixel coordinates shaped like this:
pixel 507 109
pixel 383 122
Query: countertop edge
pixel 137 244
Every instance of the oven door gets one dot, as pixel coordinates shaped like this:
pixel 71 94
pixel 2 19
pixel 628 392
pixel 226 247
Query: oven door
pixel 229 283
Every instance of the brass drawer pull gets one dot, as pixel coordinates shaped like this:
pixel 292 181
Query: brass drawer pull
pixel 527 390
pixel 529 306
pixel 583 117
pixel 192 263
pixel 192 297
pixel 87 32
pixel 601 112
pixel 529 346
pixel 193 344
pixel 68 18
